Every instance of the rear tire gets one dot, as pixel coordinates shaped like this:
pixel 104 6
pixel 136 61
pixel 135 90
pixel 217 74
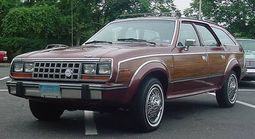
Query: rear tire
pixel 148 106
pixel 44 111
pixel 226 96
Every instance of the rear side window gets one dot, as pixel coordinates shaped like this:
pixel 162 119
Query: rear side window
pixel 207 37
pixel 223 37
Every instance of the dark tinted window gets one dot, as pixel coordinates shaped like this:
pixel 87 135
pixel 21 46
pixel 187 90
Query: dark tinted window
pixel 207 37
pixel 187 31
pixel 223 37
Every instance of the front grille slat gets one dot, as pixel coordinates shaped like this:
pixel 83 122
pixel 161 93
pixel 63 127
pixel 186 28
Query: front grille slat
pixel 56 70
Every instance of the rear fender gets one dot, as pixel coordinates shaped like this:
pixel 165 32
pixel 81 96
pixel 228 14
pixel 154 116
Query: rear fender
pixel 230 66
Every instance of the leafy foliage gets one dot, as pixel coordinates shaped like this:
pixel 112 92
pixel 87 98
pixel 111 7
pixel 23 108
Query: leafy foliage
pixel 237 15
pixel 36 22
pixel 31 21
pixel 17 45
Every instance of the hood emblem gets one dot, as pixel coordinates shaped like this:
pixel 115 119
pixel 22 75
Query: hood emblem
pixel 68 72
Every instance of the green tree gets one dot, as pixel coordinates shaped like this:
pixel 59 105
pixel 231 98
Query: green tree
pixel 5 6
pixel 162 6
pixel 237 15
pixel 35 22
pixel 88 16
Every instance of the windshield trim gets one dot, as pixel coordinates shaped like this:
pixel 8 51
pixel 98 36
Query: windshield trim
pixel 146 19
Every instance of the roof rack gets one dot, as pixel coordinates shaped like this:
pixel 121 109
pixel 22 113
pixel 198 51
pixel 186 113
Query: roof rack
pixel 166 14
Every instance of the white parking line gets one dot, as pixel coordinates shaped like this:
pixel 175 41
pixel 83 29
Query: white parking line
pixel 90 127
pixel 3 90
pixel 4 78
pixel 246 104
pixel 240 102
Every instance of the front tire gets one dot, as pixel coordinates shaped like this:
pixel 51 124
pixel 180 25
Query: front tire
pixel 44 111
pixel 148 105
pixel 226 96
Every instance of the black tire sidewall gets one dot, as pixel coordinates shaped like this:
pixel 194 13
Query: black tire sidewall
pixel 138 110
pixel 44 111
pixel 222 94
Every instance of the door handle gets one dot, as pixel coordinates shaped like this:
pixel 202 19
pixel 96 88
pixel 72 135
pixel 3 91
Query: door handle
pixel 223 57
pixel 204 57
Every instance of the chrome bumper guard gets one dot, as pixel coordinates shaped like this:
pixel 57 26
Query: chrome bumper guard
pixel 67 91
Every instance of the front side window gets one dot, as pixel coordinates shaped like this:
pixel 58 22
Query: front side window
pixel 187 32
pixel 223 37
pixel 158 31
pixel 207 37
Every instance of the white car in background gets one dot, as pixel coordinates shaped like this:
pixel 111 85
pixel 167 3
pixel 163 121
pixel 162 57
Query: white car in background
pixel 249 48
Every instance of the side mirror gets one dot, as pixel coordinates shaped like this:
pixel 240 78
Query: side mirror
pixel 190 42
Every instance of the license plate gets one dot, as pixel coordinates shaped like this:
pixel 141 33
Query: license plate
pixel 50 91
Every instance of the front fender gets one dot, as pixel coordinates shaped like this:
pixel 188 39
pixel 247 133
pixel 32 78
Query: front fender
pixel 142 72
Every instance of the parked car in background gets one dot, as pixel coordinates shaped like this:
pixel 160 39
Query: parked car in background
pixel 249 48
pixel 132 64
pixel 3 56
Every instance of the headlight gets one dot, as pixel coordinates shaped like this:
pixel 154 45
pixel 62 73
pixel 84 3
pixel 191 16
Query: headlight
pixel 104 68
pixel 29 67
pixel 18 67
pixel 89 69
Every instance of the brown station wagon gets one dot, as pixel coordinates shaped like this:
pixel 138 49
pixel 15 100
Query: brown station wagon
pixel 132 64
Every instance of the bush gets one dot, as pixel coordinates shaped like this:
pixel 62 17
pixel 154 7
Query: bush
pixel 37 22
pixel 17 45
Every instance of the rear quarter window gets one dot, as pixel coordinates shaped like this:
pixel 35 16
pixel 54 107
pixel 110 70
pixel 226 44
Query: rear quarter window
pixel 223 37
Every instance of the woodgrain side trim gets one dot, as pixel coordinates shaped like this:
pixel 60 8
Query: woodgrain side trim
pixel 159 55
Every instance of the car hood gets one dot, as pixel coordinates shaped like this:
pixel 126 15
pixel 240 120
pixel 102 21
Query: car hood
pixel 69 52
pixel 94 51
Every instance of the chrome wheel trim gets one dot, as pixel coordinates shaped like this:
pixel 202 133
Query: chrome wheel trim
pixel 154 105
pixel 232 88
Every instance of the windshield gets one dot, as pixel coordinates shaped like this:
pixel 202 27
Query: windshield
pixel 152 31
pixel 247 44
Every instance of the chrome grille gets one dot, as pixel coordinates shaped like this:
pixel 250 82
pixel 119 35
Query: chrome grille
pixel 56 70
pixel 250 63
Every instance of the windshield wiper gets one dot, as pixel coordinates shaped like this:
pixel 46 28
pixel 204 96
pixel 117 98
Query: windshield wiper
pixel 98 42
pixel 135 40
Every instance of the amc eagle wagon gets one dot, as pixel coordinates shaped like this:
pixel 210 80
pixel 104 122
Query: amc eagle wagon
pixel 134 64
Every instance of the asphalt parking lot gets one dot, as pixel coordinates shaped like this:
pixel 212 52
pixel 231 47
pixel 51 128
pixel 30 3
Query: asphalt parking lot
pixel 196 117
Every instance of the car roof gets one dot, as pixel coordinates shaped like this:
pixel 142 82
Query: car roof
pixel 240 39
pixel 145 18
pixel 165 18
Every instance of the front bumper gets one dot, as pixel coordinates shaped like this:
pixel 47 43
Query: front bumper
pixel 250 72
pixel 66 91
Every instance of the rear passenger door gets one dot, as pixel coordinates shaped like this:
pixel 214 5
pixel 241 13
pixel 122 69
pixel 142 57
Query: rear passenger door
pixel 215 52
